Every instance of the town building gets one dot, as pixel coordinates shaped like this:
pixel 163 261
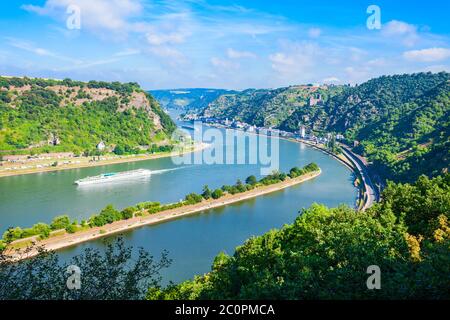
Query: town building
pixel 101 146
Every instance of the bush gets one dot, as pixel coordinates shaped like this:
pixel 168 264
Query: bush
pixel 41 229
pixel 60 222
pixel 128 213
pixel 218 193
pixel 296 172
pixel 108 215
pixel 12 234
pixel 72 228
pixel 193 198
pixel 311 167
pixel 240 187
pixel 206 193
pixel 147 205
pixel 251 180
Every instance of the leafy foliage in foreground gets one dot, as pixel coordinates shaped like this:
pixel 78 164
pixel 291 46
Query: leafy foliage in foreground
pixel 325 253
pixel 117 273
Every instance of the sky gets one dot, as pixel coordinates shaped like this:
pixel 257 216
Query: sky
pixel 223 44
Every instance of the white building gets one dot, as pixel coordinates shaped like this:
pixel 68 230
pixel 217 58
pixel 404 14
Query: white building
pixel 303 132
pixel 101 146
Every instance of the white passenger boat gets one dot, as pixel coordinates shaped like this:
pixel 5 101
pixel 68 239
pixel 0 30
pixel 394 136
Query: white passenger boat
pixel 114 176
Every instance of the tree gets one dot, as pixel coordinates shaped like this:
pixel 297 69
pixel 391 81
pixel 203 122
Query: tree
pixel 193 198
pixel 206 192
pixel 108 215
pixel 119 150
pixel 60 222
pixel 218 193
pixel 72 228
pixel 114 274
pixel 251 180
pixel 128 213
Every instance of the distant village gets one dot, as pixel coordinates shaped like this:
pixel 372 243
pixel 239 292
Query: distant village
pixel 302 133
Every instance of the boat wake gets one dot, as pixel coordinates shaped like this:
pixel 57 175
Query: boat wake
pixel 166 170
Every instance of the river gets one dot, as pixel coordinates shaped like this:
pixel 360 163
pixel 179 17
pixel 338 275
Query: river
pixel 192 241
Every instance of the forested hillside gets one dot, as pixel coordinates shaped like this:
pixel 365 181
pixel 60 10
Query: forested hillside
pixel 38 115
pixel 401 122
pixel 326 252
pixel 266 107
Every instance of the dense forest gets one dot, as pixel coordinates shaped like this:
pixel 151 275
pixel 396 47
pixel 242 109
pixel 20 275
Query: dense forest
pixel 401 122
pixel 326 252
pixel 38 115
pixel 266 107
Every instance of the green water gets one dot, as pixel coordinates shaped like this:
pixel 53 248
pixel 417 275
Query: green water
pixel 192 241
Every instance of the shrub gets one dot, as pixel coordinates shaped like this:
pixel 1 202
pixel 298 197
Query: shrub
pixel 206 193
pixel 193 198
pixel 240 187
pixel 311 167
pixel 60 222
pixel 72 228
pixel 218 193
pixel 147 205
pixel 128 213
pixel 107 215
pixel 12 234
pixel 251 180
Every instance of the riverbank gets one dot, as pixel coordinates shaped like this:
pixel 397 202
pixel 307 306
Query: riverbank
pixel 367 194
pixel 85 161
pixel 66 240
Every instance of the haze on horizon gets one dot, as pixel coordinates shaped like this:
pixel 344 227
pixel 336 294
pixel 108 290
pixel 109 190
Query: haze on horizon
pixel 222 43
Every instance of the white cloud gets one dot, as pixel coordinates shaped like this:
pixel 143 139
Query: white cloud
pixel 437 68
pixel 30 47
pixel 378 62
pixel 127 52
pixel 168 55
pixel 356 74
pixel 97 15
pixel 296 62
pixel 234 54
pixel 224 64
pixel 159 39
pixel 427 55
pixel 331 80
pixel 314 32
pixel 401 31
pixel 85 65
pixel 357 54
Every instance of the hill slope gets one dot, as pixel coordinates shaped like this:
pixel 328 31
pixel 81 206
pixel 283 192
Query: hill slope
pixel 266 107
pixel 39 115
pixel 401 121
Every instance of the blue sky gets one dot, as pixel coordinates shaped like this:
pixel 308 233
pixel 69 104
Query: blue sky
pixel 222 43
